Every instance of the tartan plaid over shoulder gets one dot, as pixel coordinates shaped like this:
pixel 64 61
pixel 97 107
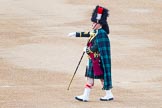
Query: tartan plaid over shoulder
pixel 103 44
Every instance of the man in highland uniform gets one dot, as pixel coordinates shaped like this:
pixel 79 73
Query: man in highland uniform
pixel 99 54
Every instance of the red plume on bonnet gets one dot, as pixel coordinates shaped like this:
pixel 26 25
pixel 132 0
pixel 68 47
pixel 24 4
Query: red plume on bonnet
pixel 99 13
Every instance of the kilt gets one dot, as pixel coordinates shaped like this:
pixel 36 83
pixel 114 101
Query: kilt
pixel 90 72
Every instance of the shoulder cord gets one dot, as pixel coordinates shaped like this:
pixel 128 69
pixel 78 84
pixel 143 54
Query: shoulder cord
pixel 92 35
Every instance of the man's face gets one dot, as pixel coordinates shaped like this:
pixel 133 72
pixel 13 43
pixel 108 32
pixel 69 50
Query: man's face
pixel 96 26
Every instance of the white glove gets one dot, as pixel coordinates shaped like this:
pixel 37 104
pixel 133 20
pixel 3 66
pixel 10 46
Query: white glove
pixel 72 34
pixel 84 49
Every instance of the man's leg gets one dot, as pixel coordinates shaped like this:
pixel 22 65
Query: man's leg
pixel 109 96
pixel 86 93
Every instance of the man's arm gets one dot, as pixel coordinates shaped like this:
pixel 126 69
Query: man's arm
pixel 81 34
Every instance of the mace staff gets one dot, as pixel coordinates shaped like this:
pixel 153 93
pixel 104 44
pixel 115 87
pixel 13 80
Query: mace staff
pixel 76 70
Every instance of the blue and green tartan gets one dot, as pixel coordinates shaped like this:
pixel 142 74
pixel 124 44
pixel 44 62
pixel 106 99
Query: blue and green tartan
pixel 103 44
pixel 101 40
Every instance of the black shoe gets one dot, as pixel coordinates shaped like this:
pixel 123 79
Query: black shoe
pixel 106 99
pixel 80 99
